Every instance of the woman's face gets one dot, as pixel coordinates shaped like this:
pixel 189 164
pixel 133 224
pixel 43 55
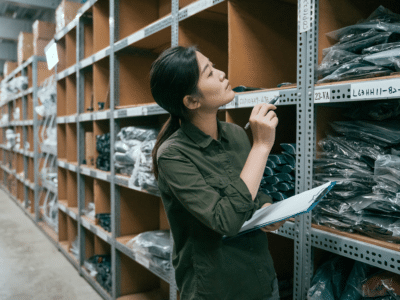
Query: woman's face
pixel 214 88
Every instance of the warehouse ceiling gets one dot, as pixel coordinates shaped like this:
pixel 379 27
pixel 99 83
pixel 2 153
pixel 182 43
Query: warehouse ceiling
pixel 19 15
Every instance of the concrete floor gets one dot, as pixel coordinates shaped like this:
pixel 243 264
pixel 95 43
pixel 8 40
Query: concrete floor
pixel 31 267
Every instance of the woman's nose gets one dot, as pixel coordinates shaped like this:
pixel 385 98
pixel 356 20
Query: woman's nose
pixel 222 76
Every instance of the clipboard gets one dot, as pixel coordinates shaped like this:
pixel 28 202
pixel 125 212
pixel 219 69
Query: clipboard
pixel 288 208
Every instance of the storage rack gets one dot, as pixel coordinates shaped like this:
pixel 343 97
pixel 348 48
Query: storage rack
pixel 89 63
pixel 24 189
pixel 182 27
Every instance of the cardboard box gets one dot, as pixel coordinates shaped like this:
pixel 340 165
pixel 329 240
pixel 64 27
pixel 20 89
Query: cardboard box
pixel 8 67
pixel 65 13
pixel 89 148
pixel 25 46
pixel 43 30
pixel 39 45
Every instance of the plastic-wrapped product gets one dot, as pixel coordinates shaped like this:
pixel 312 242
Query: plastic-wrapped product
pixel 289 148
pixel 377 111
pixel 387 164
pixel 75 249
pixel 269 172
pixel 358 274
pixel 104 221
pixel 103 148
pixel 330 279
pixel 270 164
pixel 129 134
pixel 384 133
pixel 389 180
pixel 375 203
pixel 269 188
pixel 351 71
pixel 99 267
pixel 277 159
pixel 290 159
pixel 285 169
pixel 388 59
pixel 381 47
pixel 285 177
pixel 285 186
pixel 89 211
pixel 156 243
pixel 347 188
pixel 355 43
pixel 270 180
pixel 333 60
pixel 121 147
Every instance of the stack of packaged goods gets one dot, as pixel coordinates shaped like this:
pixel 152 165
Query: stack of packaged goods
pixel 363 159
pixel 43 32
pixel 65 13
pixel 103 148
pixel 13 87
pixel 344 279
pixel 153 247
pixel 369 48
pixel 89 211
pixel 133 156
pixel 279 179
pixel 24 46
pixel 104 221
pixel 99 266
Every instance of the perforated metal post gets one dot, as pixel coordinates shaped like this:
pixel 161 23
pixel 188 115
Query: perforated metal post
pixel 114 128
pixel 80 139
pixel 35 137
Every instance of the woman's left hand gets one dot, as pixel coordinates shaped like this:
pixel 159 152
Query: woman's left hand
pixel 272 227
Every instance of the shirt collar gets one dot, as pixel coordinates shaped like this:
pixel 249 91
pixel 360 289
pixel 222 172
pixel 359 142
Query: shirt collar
pixel 199 137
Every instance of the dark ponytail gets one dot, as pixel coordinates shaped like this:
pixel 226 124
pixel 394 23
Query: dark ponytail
pixel 174 74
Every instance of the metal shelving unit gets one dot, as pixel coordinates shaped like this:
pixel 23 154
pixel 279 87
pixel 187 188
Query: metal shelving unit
pixel 76 179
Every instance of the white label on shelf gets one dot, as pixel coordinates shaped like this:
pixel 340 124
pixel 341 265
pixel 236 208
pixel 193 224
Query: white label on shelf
pixel 71 119
pixel 137 36
pixel 252 99
pixel 102 234
pixel 376 89
pixel 231 104
pixel 52 56
pixel 86 117
pixel 85 171
pixel 101 115
pixel 102 175
pixel 144 111
pixel 85 223
pixel 142 260
pixel 62 207
pixel 72 214
pixel 322 95
pixel 133 112
pixel 61 164
pixel 198 6
pixel 305 15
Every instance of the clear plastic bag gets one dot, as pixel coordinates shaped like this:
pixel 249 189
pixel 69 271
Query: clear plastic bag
pixel 384 133
pixel 333 60
pixel 381 47
pixel 377 111
pixel 330 279
pixel 355 43
pixel 156 243
pixel 289 148
pixel 89 211
pixel 389 59
pixel 387 164
pixel 350 71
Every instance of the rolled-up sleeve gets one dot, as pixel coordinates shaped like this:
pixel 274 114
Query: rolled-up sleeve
pixel 223 207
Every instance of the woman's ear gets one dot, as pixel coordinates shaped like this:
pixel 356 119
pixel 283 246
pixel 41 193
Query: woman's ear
pixel 191 102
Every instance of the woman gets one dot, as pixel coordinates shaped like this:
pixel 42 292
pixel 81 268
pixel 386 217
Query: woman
pixel 209 176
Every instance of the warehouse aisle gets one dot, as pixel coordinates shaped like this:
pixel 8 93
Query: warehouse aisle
pixel 31 267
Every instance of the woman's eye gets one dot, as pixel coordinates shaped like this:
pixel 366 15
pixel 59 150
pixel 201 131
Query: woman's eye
pixel 211 73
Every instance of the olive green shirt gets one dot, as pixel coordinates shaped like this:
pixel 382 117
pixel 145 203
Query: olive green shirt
pixel 205 199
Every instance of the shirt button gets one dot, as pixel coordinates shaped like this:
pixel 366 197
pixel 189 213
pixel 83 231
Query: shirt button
pixel 260 270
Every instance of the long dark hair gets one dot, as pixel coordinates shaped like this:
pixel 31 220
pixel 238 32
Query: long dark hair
pixel 174 74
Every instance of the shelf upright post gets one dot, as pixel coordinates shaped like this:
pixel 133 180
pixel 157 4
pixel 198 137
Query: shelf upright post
pixel 81 137
pixel 174 42
pixel 35 136
pixel 114 129
pixel 303 260
pixel 24 115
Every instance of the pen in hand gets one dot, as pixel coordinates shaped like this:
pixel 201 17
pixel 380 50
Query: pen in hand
pixel 273 101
